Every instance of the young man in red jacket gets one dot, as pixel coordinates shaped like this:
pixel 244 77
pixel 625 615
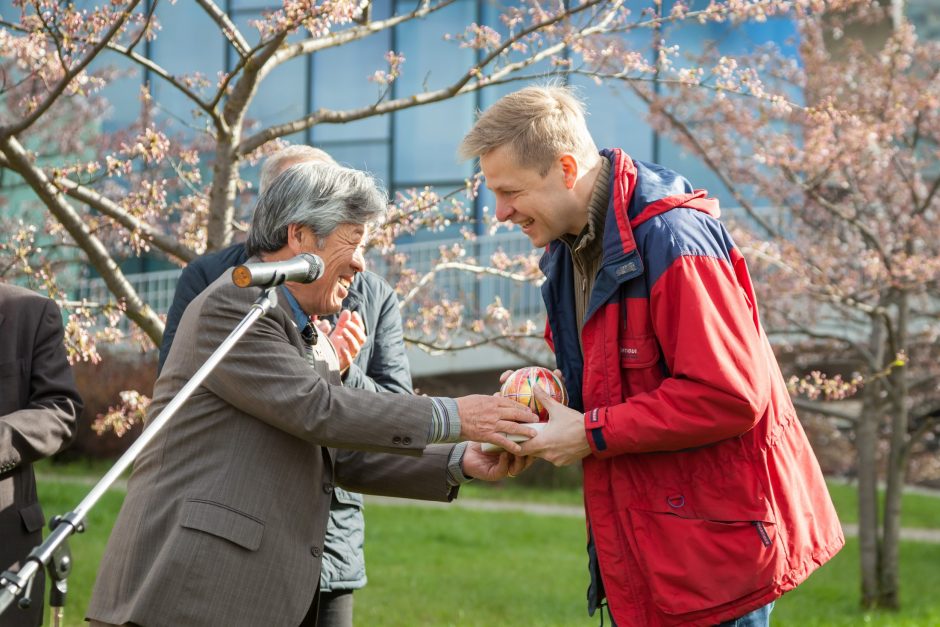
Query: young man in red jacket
pixel 704 500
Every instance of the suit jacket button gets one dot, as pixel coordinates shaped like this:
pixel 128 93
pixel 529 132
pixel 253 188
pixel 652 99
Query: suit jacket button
pixel 406 440
pixel 396 440
pixel 315 551
pixel 328 488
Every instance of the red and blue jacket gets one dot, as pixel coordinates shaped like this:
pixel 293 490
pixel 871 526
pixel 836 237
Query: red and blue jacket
pixel 704 500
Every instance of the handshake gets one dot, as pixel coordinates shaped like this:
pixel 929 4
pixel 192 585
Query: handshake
pixel 526 419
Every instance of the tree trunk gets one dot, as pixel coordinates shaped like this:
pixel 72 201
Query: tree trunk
pixel 222 195
pixel 897 461
pixel 866 443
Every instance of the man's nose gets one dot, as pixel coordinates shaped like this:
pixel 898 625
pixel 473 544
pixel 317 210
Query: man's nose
pixel 503 209
pixel 359 261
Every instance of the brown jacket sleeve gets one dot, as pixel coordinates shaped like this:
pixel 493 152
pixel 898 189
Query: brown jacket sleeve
pixel 39 403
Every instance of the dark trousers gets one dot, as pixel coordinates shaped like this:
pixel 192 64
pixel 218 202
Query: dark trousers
pixel 336 609
pixel 310 620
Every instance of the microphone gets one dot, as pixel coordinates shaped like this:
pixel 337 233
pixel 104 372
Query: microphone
pixel 304 268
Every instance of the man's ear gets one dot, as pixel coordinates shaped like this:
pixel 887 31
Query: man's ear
pixel 569 169
pixel 295 238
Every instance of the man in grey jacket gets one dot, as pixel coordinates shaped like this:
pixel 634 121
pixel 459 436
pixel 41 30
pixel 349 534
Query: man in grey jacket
pixel 379 366
pixel 226 510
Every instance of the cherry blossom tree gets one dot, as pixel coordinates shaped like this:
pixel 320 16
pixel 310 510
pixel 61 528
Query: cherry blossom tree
pixel 148 189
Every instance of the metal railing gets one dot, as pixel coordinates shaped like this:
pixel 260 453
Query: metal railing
pixel 473 290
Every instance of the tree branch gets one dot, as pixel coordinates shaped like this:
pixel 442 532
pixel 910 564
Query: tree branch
pixel 437 349
pixel 712 165
pixel 460 86
pixel 228 28
pixel 53 96
pixel 463 267
pixel 111 209
pixel 854 221
pixel 826 409
pixel 859 349
pixel 162 73
pixel 97 254
pixel 309 46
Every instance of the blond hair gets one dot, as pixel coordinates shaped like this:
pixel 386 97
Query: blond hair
pixel 538 124
pixel 277 163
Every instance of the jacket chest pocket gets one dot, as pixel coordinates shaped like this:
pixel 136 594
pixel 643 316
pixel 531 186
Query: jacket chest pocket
pixel 639 352
pixel 640 369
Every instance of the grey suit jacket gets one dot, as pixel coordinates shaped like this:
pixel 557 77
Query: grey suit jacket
pixel 38 409
pixel 227 507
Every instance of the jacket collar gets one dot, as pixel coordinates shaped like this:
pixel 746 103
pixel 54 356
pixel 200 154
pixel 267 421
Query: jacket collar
pixel 639 191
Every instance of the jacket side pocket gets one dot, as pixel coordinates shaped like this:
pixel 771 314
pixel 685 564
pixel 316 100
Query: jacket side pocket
pixel 693 564
pixel 32 516
pixel 224 522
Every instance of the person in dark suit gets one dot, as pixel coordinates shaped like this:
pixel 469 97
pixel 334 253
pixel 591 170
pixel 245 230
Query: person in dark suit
pixel 227 508
pixel 379 366
pixel 39 405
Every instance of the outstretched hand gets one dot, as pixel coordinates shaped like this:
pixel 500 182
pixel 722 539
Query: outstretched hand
pixel 491 418
pixel 563 441
pixel 480 465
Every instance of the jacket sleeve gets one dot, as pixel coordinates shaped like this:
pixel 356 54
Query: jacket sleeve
pixel 265 376
pixel 414 477
pixel 47 423
pixel 718 387
pixel 386 368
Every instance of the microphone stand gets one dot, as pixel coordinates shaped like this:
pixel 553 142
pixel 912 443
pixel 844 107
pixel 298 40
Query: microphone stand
pixel 54 552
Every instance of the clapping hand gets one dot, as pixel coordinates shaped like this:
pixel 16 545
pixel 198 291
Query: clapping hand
pixel 347 337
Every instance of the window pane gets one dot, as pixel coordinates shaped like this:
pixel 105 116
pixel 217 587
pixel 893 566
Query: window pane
pixel 188 42
pixel 426 137
pixel 371 156
pixel 340 82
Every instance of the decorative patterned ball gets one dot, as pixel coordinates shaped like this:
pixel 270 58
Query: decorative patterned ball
pixel 520 384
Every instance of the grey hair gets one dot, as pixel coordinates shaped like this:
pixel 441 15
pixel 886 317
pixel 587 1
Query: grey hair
pixel 317 195
pixel 537 124
pixel 285 158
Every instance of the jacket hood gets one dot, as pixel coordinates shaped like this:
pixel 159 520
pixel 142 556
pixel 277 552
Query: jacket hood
pixel 640 191
pixel 648 189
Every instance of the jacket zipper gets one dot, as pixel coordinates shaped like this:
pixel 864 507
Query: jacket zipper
pixel 764 536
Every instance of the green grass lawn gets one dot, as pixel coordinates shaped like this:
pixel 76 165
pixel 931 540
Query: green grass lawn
pixel 918 510
pixel 460 567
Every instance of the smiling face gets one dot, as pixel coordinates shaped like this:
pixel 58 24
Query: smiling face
pixel 545 207
pixel 342 254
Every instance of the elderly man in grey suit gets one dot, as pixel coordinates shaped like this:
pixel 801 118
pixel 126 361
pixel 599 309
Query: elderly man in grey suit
pixel 225 497
pixel 39 405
